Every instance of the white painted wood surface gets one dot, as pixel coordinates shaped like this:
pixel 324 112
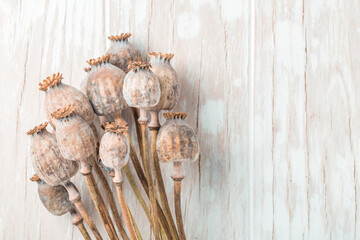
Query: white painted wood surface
pixel 271 87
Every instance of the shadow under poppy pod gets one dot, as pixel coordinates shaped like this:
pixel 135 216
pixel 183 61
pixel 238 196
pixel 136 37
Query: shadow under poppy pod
pixel 177 143
pixel 122 52
pixel 76 142
pixel 56 200
pixel 59 95
pixel 52 168
pixel 104 87
pixel 114 153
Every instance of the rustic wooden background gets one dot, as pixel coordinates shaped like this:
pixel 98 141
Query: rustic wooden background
pixel 271 87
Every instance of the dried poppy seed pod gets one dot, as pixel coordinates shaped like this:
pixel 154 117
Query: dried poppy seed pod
pixel 104 87
pixel 54 198
pixel 47 161
pixel 169 83
pixel 141 86
pixel 114 148
pixel 59 95
pixel 177 141
pixel 84 81
pixel 74 136
pixel 122 52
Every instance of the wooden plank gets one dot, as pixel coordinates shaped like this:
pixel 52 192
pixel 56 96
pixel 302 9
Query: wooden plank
pixel 332 103
pixel 280 155
pixel 270 87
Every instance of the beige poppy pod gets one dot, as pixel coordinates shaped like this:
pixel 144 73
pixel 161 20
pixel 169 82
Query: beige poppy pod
pixel 59 95
pixel 122 52
pixel 141 86
pixel 54 198
pixel 114 146
pixel 169 83
pixel 47 161
pixel 74 136
pixel 84 81
pixel 177 141
pixel 104 86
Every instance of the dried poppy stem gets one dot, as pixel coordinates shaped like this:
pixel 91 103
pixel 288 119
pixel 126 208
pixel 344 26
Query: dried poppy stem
pixel 138 194
pixel 143 125
pixel 137 232
pixel 83 231
pixel 110 198
pixel 77 221
pixel 120 121
pixel 154 127
pixel 75 198
pixel 67 122
pixel 140 172
pixel 124 209
pixel 132 221
pixel 141 175
pixel 179 221
pixel 100 205
pixel 178 177
pixel 136 116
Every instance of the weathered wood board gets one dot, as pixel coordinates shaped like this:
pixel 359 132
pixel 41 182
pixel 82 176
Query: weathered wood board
pixel 271 88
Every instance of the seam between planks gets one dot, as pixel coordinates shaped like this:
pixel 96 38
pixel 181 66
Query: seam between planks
pixel 251 82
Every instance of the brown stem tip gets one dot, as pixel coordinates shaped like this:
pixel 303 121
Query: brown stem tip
pixel 37 129
pixel 99 60
pixel 165 56
pixel 87 69
pixel 121 37
pixel 35 178
pixel 51 81
pixel 139 65
pixel 64 112
pixel 112 127
pixel 175 115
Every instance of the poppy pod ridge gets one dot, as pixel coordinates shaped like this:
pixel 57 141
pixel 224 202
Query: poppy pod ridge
pixel 46 157
pixel 104 87
pixel 169 84
pixel 75 137
pixel 56 200
pixel 122 52
pixel 177 143
pixel 114 147
pixel 141 86
pixel 59 95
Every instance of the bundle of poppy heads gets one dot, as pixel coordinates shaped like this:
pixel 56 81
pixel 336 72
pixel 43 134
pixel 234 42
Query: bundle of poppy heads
pixel 114 82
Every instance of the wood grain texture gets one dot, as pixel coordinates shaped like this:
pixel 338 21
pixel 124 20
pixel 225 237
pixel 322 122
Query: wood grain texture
pixel 271 88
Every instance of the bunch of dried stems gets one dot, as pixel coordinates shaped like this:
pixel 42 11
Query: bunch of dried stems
pixel 116 81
